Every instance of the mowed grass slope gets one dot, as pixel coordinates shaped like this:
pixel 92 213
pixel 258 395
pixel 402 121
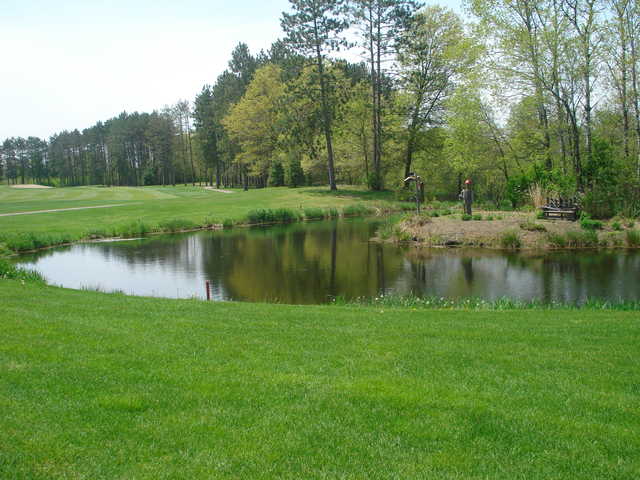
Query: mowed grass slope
pixel 154 205
pixel 107 386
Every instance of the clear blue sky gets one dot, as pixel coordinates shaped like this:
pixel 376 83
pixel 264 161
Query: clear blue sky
pixel 66 64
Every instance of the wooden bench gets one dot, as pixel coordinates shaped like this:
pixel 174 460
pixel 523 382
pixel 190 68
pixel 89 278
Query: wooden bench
pixel 562 208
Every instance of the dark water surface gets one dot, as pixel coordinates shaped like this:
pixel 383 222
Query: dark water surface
pixel 313 262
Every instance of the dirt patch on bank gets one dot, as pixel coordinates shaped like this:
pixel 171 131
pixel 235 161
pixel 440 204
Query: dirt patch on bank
pixel 452 231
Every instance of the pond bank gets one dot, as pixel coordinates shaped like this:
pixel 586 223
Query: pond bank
pixel 316 262
pixel 29 242
pixel 506 230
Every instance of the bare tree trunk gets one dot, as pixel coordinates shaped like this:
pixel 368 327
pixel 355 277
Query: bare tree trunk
pixel 374 103
pixel 326 116
pixel 634 54
pixel 193 171
pixel 378 109
pixel 621 8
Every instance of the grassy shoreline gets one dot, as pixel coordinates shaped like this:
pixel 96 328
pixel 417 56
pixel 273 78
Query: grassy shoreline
pixel 150 210
pixel 96 385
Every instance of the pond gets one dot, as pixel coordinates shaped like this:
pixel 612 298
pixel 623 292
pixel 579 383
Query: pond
pixel 308 263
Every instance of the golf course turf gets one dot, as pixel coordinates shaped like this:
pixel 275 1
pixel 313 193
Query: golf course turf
pixel 96 385
pixel 129 211
pixel 108 386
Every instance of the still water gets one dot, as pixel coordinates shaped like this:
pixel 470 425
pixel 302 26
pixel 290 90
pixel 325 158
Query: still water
pixel 314 262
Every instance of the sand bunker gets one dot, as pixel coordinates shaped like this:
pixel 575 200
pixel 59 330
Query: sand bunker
pixel 32 185
pixel 219 190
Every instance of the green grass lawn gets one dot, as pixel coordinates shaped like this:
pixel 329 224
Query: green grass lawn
pixel 153 205
pixel 99 386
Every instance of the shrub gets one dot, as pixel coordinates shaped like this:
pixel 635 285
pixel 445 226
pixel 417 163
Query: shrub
pixel 557 240
pixel 21 242
pixel 386 230
pixel 4 250
pixel 587 223
pixel 261 216
pixel 333 213
pixel 176 225
pixel 616 240
pixel 98 233
pixel 227 223
pixel 401 235
pixel 586 239
pixel 477 217
pixel 616 226
pixel 633 238
pixel 404 194
pixel 446 212
pixel 490 218
pixel 210 221
pixel 133 229
pixel 407 207
pixel 9 271
pixel 532 227
pixel 358 209
pixel 313 213
pixel 540 215
pixel 510 240
pixel 417 220
pixel 284 215
pixel 466 217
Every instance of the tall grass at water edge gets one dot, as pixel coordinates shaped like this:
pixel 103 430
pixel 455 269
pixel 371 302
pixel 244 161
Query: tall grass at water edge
pixel 633 238
pixel 25 241
pixel 510 240
pixel 574 239
pixel 475 303
pixel 9 271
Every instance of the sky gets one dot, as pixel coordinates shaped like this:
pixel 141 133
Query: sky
pixel 65 64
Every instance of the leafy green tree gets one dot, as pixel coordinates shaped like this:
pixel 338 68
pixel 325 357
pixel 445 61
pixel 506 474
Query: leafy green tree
pixel 159 134
pixel 313 29
pixel 254 122
pixel 433 54
pixel 207 133
pixel 353 139
pixel 381 23
pixel 294 173
pixel 276 178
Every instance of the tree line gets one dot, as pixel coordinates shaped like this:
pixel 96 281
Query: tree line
pixel 529 95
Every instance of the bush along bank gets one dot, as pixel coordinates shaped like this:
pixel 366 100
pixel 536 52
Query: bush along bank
pixel 8 271
pixel 508 231
pixel 12 243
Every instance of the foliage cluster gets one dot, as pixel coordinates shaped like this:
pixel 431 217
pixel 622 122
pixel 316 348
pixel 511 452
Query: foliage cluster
pixel 8 271
pixel 532 227
pixel 510 240
pixel 587 223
